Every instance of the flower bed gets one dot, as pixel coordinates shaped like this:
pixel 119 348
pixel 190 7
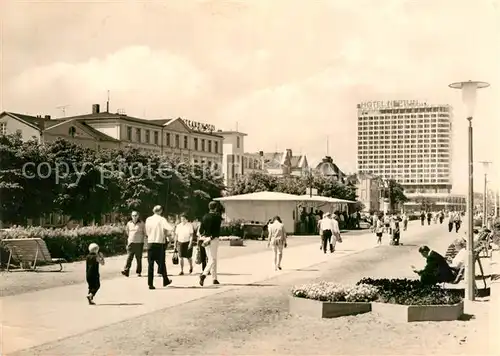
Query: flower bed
pixel 405 300
pixel 411 292
pixel 397 299
pixel 72 244
pixel 331 300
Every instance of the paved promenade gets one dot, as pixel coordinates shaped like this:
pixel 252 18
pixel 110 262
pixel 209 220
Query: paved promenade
pixel 32 319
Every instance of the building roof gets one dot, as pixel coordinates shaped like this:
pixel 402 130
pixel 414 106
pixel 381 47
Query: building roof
pixel 90 130
pixel 261 196
pixel 229 132
pixel 29 120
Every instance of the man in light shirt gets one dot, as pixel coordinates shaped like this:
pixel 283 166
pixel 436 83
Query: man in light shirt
pixel 135 231
pixel 328 230
pixel 157 229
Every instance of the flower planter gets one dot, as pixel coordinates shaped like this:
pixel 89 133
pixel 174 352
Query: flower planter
pixel 409 313
pixel 236 242
pixel 319 309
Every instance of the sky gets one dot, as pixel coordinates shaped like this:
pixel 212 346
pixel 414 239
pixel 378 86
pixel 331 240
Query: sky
pixel 289 73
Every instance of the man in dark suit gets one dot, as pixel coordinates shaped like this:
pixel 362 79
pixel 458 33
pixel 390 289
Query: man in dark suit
pixel 436 269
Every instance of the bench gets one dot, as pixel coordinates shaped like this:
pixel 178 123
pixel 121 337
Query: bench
pixel 30 251
pixel 477 258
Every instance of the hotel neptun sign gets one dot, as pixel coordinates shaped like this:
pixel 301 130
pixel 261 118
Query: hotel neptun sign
pixel 391 104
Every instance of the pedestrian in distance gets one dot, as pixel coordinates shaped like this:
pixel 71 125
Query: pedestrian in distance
pixel 209 234
pixel 429 217
pixel 93 260
pixel 422 218
pixel 157 229
pixel 136 233
pixel 326 229
pixel 278 240
pixel 404 218
pixel 458 221
pixel 379 230
pixel 184 232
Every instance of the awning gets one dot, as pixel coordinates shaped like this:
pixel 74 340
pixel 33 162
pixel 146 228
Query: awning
pixel 261 196
pixel 318 198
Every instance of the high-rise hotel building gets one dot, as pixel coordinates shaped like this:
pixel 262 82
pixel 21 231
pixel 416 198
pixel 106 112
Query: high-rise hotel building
pixel 407 141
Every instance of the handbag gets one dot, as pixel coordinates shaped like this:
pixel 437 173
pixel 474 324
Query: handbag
pixel 338 238
pixel 197 259
pixel 175 258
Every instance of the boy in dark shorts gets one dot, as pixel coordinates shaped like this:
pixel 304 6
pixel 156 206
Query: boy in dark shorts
pixel 94 259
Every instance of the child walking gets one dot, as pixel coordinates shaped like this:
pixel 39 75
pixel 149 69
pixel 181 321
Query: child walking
pixel 94 259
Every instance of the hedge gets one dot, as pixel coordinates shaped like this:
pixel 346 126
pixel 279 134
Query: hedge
pixel 72 244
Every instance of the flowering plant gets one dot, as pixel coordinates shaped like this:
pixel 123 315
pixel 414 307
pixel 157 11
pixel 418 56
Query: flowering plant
pixel 411 292
pixel 333 292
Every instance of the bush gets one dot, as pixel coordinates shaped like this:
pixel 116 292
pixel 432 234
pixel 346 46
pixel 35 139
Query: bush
pixel 332 292
pixel 411 292
pixel 72 244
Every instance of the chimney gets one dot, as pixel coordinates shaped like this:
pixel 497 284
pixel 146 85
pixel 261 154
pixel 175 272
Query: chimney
pixel 96 109
pixel 47 117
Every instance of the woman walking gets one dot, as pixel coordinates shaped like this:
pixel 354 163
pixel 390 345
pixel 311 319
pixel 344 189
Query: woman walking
pixel 277 239
pixel 379 230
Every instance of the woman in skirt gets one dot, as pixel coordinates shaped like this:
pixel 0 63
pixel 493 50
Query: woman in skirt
pixel 277 239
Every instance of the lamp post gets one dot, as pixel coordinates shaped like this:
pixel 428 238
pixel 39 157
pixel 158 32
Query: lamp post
pixel 469 95
pixel 485 200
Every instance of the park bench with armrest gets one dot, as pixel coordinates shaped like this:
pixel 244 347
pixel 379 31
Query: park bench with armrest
pixel 477 258
pixel 31 251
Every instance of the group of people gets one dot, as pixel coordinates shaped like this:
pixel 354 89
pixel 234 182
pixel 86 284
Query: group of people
pixel 389 224
pixel 153 234
pixel 309 220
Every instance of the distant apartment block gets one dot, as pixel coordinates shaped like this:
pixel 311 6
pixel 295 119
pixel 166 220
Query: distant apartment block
pixel 407 141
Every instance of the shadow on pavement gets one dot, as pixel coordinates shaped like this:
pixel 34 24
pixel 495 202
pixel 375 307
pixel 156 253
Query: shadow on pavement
pixel 305 270
pixel 248 285
pixel 466 317
pixel 117 304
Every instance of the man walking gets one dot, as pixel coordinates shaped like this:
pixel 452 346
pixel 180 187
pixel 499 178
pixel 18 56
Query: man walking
pixel 209 234
pixel 157 228
pixel 136 232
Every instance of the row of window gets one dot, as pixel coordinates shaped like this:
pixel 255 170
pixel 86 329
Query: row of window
pixel 405 119
pixel 3 128
pixel 199 144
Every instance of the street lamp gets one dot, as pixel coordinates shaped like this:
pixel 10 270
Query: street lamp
pixel 485 199
pixel 469 95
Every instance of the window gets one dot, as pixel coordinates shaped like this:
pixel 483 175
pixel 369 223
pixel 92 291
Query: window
pixel 209 146
pixel 216 147
pixel 168 139
pixel 129 133
pixel 196 144
pixel 3 128
pixel 155 135
pixel 238 142
pixel 186 142
pixel 202 144
pixel 138 135
pixel 148 137
pixel 177 141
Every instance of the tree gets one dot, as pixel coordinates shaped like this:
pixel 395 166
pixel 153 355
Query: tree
pixel 425 203
pixel 359 206
pixel 24 192
pixel 396 193
pixel 252 183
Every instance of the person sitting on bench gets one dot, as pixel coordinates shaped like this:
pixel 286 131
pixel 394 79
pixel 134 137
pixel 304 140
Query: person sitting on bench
pixel 436 269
